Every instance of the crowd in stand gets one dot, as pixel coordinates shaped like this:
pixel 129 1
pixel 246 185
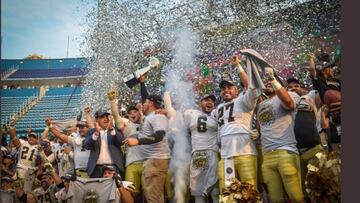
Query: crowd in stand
pixel 262 137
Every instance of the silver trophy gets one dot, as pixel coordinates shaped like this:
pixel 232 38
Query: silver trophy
pixel 132 80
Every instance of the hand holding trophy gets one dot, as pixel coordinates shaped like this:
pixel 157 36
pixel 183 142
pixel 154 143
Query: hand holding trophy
pixel 133 79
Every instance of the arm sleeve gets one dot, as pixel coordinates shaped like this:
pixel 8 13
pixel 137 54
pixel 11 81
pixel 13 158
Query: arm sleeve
pixel 250 97
pixel 89 141
pixel 160 126
pixel 143 91
pixel 156 137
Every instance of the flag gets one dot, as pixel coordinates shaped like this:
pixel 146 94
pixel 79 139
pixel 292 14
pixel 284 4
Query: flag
pixel 255 68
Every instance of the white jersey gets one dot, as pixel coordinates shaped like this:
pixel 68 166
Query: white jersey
pixel 277 125
pixel 65 163
pixel 203 129
pixel 133 154
pixel 81 155
pixel 234 122
pixel 27 155
pixel 48 195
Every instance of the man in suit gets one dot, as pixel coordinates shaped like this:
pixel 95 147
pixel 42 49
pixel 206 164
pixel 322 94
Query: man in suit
pixel 104 143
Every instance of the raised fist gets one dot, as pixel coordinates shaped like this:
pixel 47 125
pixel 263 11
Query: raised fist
pixel 112 95
pixel 312 56
pixel 235 60
pixel 48 121
pixel 87 110
pixel 269 73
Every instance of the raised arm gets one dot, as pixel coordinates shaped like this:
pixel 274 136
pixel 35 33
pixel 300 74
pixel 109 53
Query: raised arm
pixel 143 91
pixel 55 132
pixel 312 66
pixel 286 101
pixel 171 112
pixel 14 139
pixel 119 123
pixel 139 106
pixel 89 119
pixel 44 134
pixel 235 61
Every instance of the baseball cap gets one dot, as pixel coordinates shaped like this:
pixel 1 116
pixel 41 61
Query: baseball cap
pixel 43 174
pixel 226 80
pixel 325 64
pixel 101 112
pixel 158 101
pixel 131 108
pixel 6 178
pixel 108 167
pixel 67 176
pixel 81 123
pixel 292 80
pixel 32 134
pixel 211 96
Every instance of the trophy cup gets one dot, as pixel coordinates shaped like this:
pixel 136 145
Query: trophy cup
pixel 132 80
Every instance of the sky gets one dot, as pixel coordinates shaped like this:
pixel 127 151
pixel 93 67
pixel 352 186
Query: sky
pixel 41 27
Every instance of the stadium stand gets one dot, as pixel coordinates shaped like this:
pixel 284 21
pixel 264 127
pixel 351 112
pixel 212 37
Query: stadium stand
pixel 40 73
pixel 55 106
pixel 27 107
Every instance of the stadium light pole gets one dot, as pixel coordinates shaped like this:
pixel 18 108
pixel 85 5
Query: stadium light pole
pixel 67 48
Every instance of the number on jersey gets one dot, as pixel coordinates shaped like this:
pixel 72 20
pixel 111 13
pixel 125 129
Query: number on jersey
pixel 25 153
pixel 201 124
pixel 226 108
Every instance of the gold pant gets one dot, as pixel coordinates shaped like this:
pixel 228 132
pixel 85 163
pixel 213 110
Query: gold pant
pixel 133 173
pixel 245 169
pixel 281 168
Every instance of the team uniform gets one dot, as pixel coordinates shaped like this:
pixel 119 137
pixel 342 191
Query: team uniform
pixel 25 166
pixel 48 195
pixel 238 151
pixel 156 157
pixel 64 161
pixel 281 164
pixel 204 160
pixel 81 155
pixel 134 156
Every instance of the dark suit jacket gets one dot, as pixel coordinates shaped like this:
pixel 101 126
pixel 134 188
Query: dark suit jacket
pixel 114 143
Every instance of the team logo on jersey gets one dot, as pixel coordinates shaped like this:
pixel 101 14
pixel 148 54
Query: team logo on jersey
pixel 200 160
pixel 266 116
pixel 91 196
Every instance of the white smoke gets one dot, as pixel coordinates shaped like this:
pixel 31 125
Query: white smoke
pixel 183 43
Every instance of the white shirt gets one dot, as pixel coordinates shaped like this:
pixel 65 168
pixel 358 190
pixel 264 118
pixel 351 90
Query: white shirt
pixel 104 156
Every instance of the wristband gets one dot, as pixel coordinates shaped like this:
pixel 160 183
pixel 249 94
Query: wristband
pixel 239 68
pixel 276 85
